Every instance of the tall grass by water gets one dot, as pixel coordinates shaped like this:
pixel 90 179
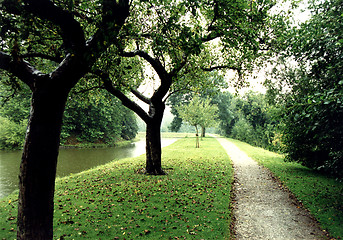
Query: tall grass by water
pixel 115 201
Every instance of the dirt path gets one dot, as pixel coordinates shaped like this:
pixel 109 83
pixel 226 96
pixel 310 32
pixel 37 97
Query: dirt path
pixel 261 208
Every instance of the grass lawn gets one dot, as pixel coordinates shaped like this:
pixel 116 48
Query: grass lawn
pixel 113 201
pixel 320 194
pixel 141 135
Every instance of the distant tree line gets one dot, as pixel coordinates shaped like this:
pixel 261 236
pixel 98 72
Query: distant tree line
pixel 87 119
pixel 249 118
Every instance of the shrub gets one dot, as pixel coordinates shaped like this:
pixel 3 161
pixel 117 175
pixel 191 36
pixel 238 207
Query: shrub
pixel 12 134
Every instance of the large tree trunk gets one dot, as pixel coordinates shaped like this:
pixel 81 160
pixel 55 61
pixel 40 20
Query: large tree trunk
pixel 38 165
pixel 153 141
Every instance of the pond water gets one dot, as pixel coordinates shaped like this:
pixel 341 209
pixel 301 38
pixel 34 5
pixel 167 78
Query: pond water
pixel 70 160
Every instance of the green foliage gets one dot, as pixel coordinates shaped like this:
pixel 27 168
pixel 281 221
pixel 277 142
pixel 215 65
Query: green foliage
pixel 174 101
pixel 216 83
pixel 14 99
pixel 313 131
pixel 14 112
pixel 249 118
pixel 88 118
pixel 199 113
pixel 243 131
pixel 101 119
pixel 12 134
pixel 129 126
pixel 312 100
pixel 226 114
pixel 320 194
pixel 114 201
pixel 188 44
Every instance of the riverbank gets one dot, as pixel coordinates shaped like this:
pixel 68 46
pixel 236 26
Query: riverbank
pixel 113 201
pixel 118 143
pixel 122 143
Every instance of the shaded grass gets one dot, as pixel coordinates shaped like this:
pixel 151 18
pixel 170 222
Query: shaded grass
pixel 114 202
pixel 320 194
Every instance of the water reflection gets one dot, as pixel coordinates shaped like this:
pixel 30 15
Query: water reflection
pixel 70 160
pixel 9 169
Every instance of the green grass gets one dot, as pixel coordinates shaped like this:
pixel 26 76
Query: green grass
pixel 141 135
pixel 320 194
pixel 115 202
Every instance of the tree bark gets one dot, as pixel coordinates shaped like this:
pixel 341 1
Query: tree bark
pixel 153 141
pixel 197 144
pixel 203 132
pixel 38 164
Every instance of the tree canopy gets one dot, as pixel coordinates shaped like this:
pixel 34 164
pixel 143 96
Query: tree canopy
pixel 197 113
pixel 310 88
pixel 182 42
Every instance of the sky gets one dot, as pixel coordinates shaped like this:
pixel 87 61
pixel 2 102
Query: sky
pixel 255 81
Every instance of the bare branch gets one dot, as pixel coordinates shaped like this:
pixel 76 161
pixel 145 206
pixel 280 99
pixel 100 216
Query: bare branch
pixel 165 77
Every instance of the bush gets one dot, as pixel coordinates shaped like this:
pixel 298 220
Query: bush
pixel 243 130
pixel 314 130
pixel 12 134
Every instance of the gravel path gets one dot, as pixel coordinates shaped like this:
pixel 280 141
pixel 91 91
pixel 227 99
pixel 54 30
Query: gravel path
pixel 262 210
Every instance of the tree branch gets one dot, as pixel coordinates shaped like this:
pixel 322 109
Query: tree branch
pixel 155 63
pixel 165 77
pixel 127 102
pixel 114 14
pixel 42 55
pixel 20 68
pixel 179 66
pixel 140 96
pixel 71 31
pixel 211 36
pixel 5 60
pixel 210 69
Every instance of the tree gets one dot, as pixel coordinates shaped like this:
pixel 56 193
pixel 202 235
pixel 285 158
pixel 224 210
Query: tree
pixel 183 41
pixel 43 43
pixel 199 113
pixel 209 116
pixel 226 113
pixel 248 118
pixel 312 99
pixel 183 97
pixel 174 101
